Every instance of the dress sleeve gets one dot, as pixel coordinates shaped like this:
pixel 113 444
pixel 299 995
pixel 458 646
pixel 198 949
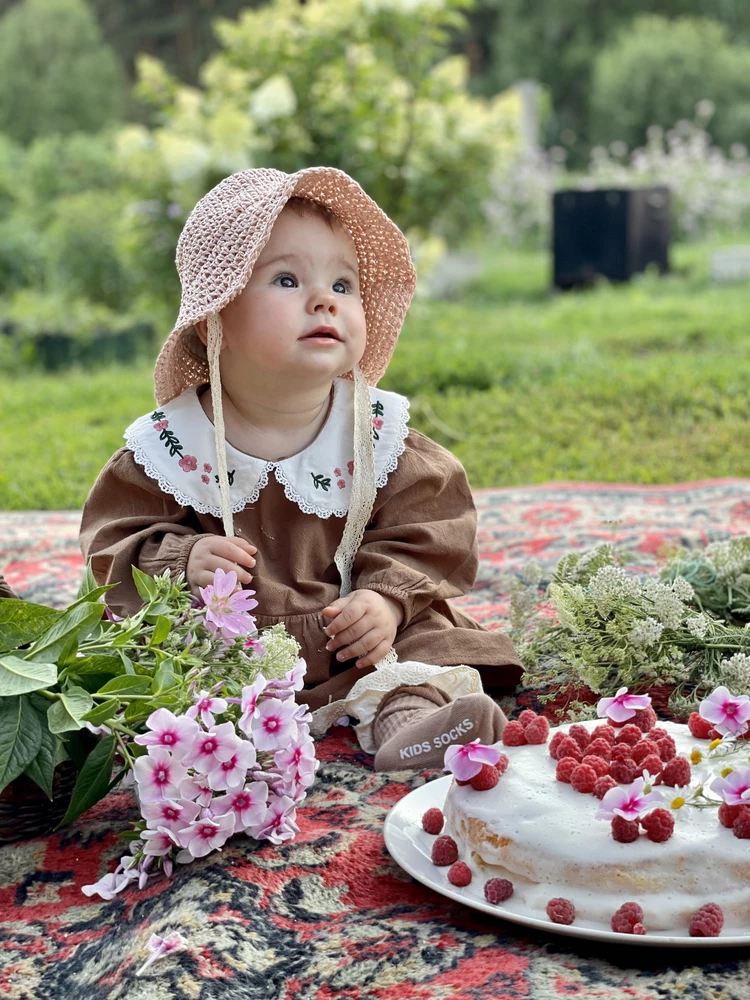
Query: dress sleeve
pixel 127 521
pixel 421 543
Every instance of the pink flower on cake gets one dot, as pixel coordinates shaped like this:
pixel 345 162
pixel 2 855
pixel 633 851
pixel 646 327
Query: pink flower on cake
pixel 225 609
pixel 735 787
pixel 628 801
pixel 623 706
pixel 169 731
pixel 729 713
pixel 466 761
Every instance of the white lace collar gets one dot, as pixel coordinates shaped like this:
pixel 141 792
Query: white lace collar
pixel 175 446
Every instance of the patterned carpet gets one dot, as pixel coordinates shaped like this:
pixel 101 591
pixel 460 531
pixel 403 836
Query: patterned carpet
pixel 330 915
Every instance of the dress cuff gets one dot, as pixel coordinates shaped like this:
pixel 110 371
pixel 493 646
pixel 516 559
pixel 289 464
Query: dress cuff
pixel 411 603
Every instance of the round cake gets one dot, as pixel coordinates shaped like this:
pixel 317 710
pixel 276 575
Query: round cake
pixel 543 835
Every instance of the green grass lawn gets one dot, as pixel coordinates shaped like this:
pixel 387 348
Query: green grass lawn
pixel 644 383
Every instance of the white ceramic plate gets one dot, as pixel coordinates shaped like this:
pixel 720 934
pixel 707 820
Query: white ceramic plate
pixel 410 847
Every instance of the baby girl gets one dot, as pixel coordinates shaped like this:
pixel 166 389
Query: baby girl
pixel 294 290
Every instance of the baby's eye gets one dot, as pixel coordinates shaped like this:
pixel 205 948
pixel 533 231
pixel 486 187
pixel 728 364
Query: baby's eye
pixel 285 277
pixel 346 285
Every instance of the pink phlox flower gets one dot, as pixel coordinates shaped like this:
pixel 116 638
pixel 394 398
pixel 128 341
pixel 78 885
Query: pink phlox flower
pixel 158 775
pixel 98 730
pixel 169 731
pixel 628 801
pixel 735 788
pixel 110 884
pixel 249 702
pixel 173 814
pixel 159 841
pixel 465 761
pixel 623 706
pixel 248 804
pixel 110 616
pixel 729 713
pixel 206 835
pixel 218 744
pixel 273 725
pixel 227 610
pixel 206 705
pixel 296 676
pixel 255 645
pixel 161 947
pixel 279 822
pixel 197 789
pixel 232 773
pixel 298 756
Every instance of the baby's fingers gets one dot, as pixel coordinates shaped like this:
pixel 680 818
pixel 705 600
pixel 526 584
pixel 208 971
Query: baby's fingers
pixel 229 567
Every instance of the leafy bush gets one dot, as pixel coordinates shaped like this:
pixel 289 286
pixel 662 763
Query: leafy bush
pixel 56 75
pixel 657 71
pixel 355 84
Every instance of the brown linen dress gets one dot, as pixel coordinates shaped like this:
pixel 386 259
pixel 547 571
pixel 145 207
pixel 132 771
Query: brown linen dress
pixel 420 548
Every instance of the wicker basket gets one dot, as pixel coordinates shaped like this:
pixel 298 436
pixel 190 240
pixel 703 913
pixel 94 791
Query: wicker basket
pixel 25 811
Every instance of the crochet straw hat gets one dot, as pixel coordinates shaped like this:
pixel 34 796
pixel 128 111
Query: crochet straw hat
pixel 216 252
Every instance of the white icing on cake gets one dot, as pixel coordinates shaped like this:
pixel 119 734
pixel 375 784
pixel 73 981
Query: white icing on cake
pixel 543 836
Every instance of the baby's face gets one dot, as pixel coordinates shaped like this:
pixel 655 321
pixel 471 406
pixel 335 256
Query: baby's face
pixel 305 277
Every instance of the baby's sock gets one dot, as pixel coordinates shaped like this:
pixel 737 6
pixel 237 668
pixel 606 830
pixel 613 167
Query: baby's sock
pixel 415 726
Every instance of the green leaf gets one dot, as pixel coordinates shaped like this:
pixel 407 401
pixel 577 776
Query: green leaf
pixel 93 781
pixel 66 713
pixel 22 622
pixel 42 768
pixel 100 713
pixel 161 630
pixel 79 621
pixel 20 737
pixel 126 684
pixel 97 663
pixel 163 680
pixel 19 676
pixel 144 584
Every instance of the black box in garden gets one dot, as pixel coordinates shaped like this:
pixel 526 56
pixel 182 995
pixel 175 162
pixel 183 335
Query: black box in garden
pixel 611 233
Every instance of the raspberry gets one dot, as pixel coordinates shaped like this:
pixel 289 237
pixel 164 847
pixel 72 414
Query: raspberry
pixel 459 874
pixel 626 918
pixel 537 732
pixel 676 772
pixel 741 826
pixel 580 734
pixel 728 814
pixel 569 748
pixel 497 890
pixel 667 748
pixel 699 727
pixel 565 768
pixel 599 765
pixel 706 922
pixel 603 785
pixel 653 764
pixel 486 779
pixel 642 750
pixel 561 911
pixel 526 717
pixel 629 734
pixel 502 764
pixel 623 771
pixel 513 735
pixel 639 929
pixel 444 851
pixel 622 751
pixel 657 733
pixel 644 718
pixel 659 825
pixel 459 782
pixel 583 778
pixel 599 748
pixel 604 733
pixel 625 831
pixel 432 821
pixel 555 742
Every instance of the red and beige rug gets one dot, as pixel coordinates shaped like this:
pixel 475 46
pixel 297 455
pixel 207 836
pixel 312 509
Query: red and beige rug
pixel 330 915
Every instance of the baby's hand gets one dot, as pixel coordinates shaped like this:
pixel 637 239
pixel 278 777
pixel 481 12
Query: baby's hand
pixel 214 552
pixel 365 624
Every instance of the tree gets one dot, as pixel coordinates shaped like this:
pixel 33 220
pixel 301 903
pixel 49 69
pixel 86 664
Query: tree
pixel 56 74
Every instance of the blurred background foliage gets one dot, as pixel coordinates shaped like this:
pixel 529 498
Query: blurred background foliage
pixel 460 118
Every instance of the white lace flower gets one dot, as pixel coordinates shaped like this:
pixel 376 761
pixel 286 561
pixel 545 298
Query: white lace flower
pixel 646 632
pixel 697 625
